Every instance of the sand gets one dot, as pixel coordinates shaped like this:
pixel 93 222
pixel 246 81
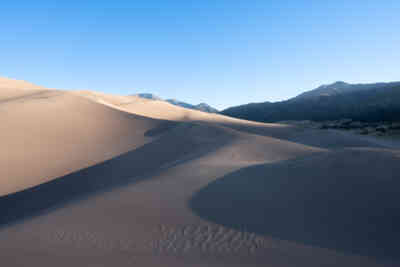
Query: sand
pixel 93 179
pixel 7 83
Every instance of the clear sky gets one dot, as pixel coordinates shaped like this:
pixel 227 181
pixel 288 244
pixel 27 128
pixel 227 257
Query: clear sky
pixel 223 52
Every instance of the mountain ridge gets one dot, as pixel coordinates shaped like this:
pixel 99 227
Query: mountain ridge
pixel 340 87
pixel 364 102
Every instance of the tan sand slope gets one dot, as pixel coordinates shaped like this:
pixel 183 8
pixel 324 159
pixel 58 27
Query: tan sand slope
pixel 120 181
pixel 46 134
pixel 345 200
pixel 157 108
pixel 7 83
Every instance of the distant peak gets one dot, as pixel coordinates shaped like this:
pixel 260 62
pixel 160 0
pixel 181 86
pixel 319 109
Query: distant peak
pixel 335 84
pixel 148 96
pixel 203 104
pixel 339 82
pixel 206 107
pixel 340 87
pixel 173 100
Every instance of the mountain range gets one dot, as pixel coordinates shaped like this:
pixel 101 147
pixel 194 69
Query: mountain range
pixel 202 106
pixel 363 102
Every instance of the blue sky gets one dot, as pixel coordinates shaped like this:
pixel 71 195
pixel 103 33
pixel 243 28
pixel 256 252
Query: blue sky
pixel 223 52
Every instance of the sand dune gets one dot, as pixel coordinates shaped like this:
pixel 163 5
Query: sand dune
pixel 48 133
pixel 7 83
pixel 94 179
pixel 157 109
pixel 355 210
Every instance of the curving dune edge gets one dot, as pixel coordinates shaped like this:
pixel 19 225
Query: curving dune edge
pixel 94 179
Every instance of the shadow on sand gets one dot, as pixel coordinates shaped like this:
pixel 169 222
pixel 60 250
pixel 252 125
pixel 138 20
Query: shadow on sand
pixel 348 201
pixel 128 168
pixel 311 137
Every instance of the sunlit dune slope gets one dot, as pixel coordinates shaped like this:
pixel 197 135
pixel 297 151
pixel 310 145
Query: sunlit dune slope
pixel 156 108
pixel 48 133
pixel 107 180
pixel 7 83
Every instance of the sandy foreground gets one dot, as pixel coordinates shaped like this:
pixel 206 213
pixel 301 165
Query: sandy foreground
pixel 91 179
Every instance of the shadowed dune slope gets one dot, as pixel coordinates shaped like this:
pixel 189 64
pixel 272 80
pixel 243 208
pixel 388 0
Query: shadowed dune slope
pixel 94 179
pixel 46 134
pixel 53 133
pixel 346 200
pixel 192 140
pixel 163 110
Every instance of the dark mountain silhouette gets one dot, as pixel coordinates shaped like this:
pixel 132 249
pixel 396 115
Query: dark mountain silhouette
pixel 340 87
pixel 363 102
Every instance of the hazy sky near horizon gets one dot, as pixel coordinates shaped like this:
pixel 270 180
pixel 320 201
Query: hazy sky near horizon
pixel 223 52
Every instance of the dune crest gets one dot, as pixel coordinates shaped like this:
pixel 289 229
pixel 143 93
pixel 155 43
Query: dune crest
pixel 7 83
pixel 89 178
